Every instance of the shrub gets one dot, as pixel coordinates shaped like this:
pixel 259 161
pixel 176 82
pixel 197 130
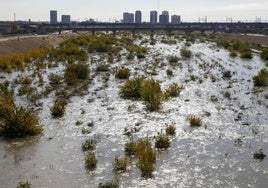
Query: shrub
pixel 169 72
pixel 264 54
pixel 122 73
pixel 246 54
pixel 131 89
pixel 195 121
pixel 227 74
pixel 103 67
pixel 16 121
pixel 55 79
pixel 152 95
pixel 131 148
pixel 185 53
pixel 26 80
pixel 89 145
pixel 91 161
pixel 233 53
pixel 261 79
pixel 162 142
pixel 147 158
pixel 24 184
pixel 259 155
pixel 173 59
pixel 58 109
pixel 173 90
pixel 111 184
pixel 75 72
pixel 120 164
pixel 171 130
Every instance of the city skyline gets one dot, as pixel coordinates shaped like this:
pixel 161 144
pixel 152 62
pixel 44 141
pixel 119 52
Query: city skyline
pixel 109 11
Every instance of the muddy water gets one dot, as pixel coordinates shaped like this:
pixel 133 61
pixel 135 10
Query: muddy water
pixel 204 157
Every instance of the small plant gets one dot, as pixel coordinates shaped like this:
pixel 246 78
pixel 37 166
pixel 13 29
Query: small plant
pixel 24 184
pixel 227 74
pixel 122 73
pixel 259 155
pixel 162 142
pixel 264 54
pixel 75 72
pixel 55 79
pixel 171 130
pixel 58 109
pixel 131 89
pixel 91 161
pixel 185 53
pixel 111 184
pixel 173 90
pixel 261 79
pixel 130 148
pixel 173 59
pixel 195 121
pixel 169 72
pixel 120 164
pixel 152 95
pixel 89 145
pixel 246 54
pixel 103 67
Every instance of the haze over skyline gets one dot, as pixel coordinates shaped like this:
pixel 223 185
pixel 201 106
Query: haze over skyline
pixel 108 10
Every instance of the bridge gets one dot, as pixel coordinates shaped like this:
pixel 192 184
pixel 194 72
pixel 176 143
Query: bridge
pixel 238 27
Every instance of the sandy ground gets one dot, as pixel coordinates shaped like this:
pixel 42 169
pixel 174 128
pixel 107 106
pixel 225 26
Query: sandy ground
pixel 15 46
pixel 255 39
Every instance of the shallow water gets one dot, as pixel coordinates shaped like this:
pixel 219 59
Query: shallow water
pixel 203 157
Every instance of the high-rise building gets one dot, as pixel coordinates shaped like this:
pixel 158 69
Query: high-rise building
pixel 53 17
pixel 66 19
pixel 153 17
pixel 164 18
pixel 128 17
pixel 138 16
pixel 175 19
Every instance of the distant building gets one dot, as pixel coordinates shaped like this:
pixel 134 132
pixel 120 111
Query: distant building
pixel 128 17
pixel 138 16
pixel 153 17
pixel 164 18
pixel 175 19
pixel 53 17
pixel 66 19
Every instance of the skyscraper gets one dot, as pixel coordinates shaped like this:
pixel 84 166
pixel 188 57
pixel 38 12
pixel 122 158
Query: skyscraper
pixel 66 19
pixel 164 18
pixel 175 19
pixel 128 17
pixel 153 17
pixel 138 16
pixel 53 17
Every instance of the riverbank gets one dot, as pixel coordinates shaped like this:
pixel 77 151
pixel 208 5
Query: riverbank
pixel 15 45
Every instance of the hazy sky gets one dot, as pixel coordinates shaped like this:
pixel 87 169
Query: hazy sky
pixel 109 10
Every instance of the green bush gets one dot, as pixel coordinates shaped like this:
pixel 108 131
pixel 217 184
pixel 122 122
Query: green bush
pixel 75 72
pixel 173 90
pixel 131 148
pixel 131 89
pixel 24 184
pixel 120 164
pixel 162 142
pixel 16 121
pixel 195 121
pixel 264 54
pixel 111 184
pixel 91 161
pixel 171 130
pixel 246 54
pixel 58 109
pixel 89 145
pixel 146 158
pixel 152 95
pixel 122 73
pixel 173 59
pixel 261 79
pixel 185 53
pixel 102 67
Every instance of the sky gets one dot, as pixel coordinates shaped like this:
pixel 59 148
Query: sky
pixel 111 10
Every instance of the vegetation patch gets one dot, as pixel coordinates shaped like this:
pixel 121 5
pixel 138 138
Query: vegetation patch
pixel 58 109
pixel 185 53
pixel 123 73
pixel 261 79
pixel 120 164
pixel 259 155
pixel 75 72
pixel 162 142
pixel 171 130
pixel 89 145
pixel 195 121
pixel 91 161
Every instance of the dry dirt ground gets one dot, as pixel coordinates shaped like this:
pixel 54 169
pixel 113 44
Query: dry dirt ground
pixel 15 46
